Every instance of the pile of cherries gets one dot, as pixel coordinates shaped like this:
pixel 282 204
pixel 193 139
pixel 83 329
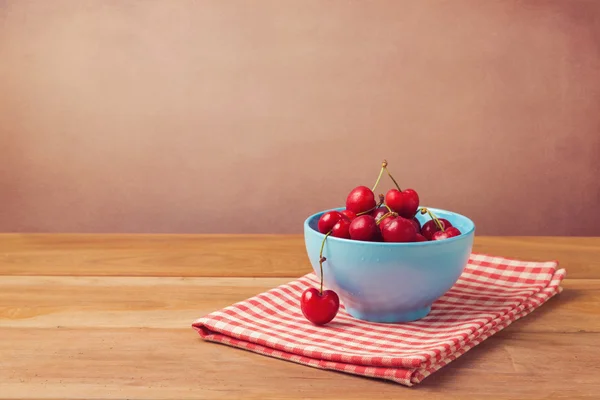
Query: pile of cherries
pixel 390 219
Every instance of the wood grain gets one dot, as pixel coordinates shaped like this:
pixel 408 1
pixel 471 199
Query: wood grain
pixel 109 317
pixel 151 302
pixel 234 255
pixel 141 363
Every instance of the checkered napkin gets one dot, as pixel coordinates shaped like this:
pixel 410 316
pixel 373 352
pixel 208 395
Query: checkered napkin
pixel 491 293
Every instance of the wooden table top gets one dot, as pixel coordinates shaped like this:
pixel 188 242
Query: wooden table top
pixel 108 316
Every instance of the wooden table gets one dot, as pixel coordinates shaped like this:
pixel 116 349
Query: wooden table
pixel 108 316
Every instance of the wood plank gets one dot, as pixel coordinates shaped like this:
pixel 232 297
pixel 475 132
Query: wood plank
pixel 150 302
pixel 153 255
pixel 580 256
pixel 162 363
pixel 234 255
pixel 119 301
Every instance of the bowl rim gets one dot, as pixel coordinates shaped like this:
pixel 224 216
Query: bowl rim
pixel 463 236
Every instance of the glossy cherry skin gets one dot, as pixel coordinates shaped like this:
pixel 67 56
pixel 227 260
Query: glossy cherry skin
pixel 384 221
pixel 360 199
pixel 341 229
pixel 379 212
pixel 417 224
pixel 319 308
pixel 328 220
pixel 348 214
pixel 430 227
pixel 363 228
pixel 420 238
pixel 447 234
pixel 399 229
pixel 378 236
pixel 411 203
pixel 405 203
pixel 394 199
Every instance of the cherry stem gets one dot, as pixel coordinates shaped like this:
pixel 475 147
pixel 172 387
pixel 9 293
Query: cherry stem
pixel 321 259
pixel 374 208
pixel 433 217
pixel 383 166
pixel 392 178
pixel 384 216
pixel 388 208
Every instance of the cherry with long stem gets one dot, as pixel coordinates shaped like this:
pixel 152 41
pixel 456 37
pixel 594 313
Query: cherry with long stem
pixel 322 259
pixel 433 217
pixel 319 306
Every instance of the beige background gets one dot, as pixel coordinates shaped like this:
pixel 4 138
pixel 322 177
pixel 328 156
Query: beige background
pixel 246 116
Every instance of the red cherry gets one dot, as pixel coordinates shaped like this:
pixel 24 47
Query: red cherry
pixel 341 229
pixel 379 212
pixel 363 228
pixel 360 199
pixel 378 237
pixel 348 214
pixel 394 199
pixel 319 308
pixel 446 234
pixel 417 224
pixel 411 203
pixel 405 203
pixel 328 220
pixel 384 221
pixel 420 238
pixel 429 227
pixel 399 230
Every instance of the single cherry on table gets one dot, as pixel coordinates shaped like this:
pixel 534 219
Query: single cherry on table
pixel 319 308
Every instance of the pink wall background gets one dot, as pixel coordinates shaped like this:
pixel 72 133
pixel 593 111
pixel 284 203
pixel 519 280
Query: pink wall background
pixel 246 116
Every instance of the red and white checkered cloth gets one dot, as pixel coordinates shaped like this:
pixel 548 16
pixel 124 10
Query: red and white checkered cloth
pixel 491 293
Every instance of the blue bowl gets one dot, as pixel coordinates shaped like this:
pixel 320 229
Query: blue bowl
pixel 391 282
